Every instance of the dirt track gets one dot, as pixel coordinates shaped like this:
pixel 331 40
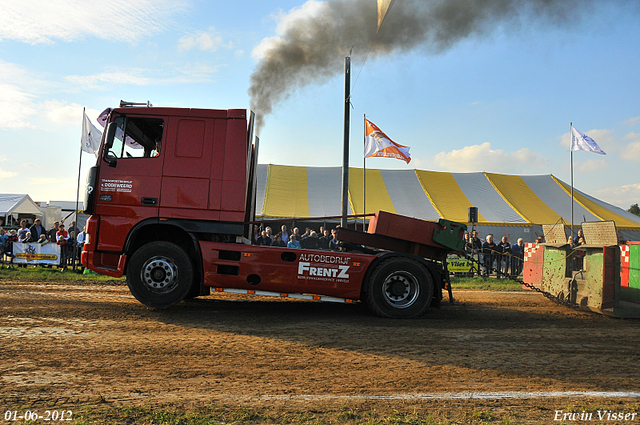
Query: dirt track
pixel 79 344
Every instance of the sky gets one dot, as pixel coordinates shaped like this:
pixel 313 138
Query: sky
pixel 469 86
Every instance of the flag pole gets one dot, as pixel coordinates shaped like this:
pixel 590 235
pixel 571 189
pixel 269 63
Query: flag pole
pixel 345 145
pixel 75 243
pixel 571 150
pixel 364 173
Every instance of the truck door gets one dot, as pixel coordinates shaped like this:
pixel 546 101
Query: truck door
pixel 130 177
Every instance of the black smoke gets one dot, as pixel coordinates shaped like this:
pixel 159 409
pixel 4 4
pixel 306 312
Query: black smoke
pixel 313 48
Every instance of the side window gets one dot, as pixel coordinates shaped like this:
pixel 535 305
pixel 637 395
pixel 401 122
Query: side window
pixel 137 138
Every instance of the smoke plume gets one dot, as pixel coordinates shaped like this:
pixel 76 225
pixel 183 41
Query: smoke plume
pixel 314 39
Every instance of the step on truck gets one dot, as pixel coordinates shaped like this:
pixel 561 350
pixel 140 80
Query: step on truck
pixel 172 207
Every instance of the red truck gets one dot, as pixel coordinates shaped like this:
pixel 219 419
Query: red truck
pixel 172 202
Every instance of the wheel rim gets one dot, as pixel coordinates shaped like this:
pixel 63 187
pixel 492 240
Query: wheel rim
pixel 401 289
pixel 159 275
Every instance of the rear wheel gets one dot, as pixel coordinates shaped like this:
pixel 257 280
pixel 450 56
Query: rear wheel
pixel 160 274
pixel 399 287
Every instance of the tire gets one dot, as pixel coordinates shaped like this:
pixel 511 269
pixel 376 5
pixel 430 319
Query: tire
pixel 160 274
pixel 399 288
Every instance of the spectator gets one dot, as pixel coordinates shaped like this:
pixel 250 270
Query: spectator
pixel 310 242
pixel 43 239
pixel 579 254
pixel 269 234
pixel 8 247
pixel 468 249
pixel 489 251
pixel 61 239
pixel 278 241
pixel 579 240
pixel 284 235
pixel 264 240
pixel 3 243
pixel 53 232
pixel 72 228
pixel 334 245
pixel 24 235
pixel 71 245
pixel 293 242
pixel 504 259
pixel 307 233
pixel 517 259
pixel 324 240
pixel 36 230
pixel 81 237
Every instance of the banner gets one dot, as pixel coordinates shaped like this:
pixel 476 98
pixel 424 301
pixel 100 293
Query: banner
pixel 458 264
pixel 35 253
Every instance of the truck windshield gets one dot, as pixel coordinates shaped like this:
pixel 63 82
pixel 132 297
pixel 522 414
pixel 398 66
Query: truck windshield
pixel 137 138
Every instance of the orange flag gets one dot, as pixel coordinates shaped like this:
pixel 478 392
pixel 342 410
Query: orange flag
pixel 378 144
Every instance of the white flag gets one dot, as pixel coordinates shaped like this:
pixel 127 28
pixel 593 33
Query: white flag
pixel 91 136
pixel 582 142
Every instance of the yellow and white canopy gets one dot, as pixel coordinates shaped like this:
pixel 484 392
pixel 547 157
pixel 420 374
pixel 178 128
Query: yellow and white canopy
pixel 502 200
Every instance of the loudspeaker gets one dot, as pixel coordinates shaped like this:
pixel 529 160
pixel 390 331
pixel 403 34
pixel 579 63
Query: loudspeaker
pixel 473 214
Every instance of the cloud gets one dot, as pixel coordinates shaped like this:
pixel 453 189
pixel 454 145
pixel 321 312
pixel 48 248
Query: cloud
pixel 48 180
pixel 16 102
pixel 592 165
pixel 41 21
pixel 623 196
pixel 7 174
pixel 632 149
pixel 132 76
pixel 632 121
pixel 187 73
pixel 62 112
pixel 483 158
pixel 19 102
pixel 205 41
pixel 194 72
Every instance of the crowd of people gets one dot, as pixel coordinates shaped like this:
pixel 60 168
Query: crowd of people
pixel 67 239
pixel 502 259
pixel 310 239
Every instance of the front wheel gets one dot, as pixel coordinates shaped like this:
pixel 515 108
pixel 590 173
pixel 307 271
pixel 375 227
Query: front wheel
pixel 399 287
pixel 159 274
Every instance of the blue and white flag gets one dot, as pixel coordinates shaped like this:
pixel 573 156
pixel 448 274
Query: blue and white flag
pixel 91 136
pixel 582 142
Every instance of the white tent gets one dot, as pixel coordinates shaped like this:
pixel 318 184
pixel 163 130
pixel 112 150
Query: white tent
pixel 13 205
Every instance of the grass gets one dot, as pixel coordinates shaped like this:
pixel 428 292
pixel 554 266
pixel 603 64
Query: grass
pixel 485 284
pixel 212 414
pixel 52 274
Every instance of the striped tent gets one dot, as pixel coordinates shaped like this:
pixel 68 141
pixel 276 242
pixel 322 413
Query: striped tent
pixel 508 205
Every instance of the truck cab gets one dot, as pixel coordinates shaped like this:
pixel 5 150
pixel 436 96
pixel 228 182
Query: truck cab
pixel 168 175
